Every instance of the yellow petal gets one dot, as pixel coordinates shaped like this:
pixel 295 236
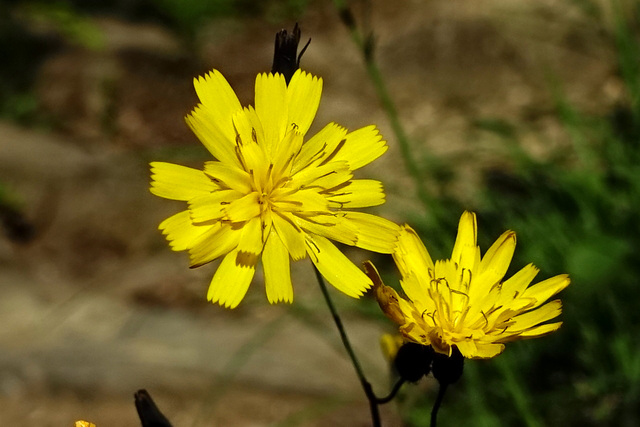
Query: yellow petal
pixel 495 262
pixel 230 282
pixel 250 244
pixel 516 284
pixel 277 275
pixel 541 330
pixel 211 122
pixel 180 231
pixel 306 201
pixel 390 344
pixel 357 193
pixel 481 350
pixel 211 206
pixel 303 98
pixel 387 297
pixel 283 153
pixel 309 176
pixel 319 146
pixel 177 182
pixel 217 95
pixel 244 208
pixel 229 176
pixel 218 240
pixel 537 316
pixel 361 147
pixel 84 424
pixel 374 233
pixel 336 268
pixel 292 236
pixel 206 125
pixel 412 256
pixel 546 289
pixel 271 107
pixel 466 238
pixel 251 153
pixel 416 288
pixel 331 226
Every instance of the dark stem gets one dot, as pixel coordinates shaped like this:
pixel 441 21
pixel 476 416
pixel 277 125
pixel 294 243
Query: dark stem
pixel 436 405
pixel 368 391
pixel 392 393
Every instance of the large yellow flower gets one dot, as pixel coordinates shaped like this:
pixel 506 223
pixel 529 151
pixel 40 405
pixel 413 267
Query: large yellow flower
pixel 271 195
pixel 463 301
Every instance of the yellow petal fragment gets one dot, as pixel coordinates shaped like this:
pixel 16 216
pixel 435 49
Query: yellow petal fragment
pixel 480 350
pixel 307 201
pixel 331 226
pixel 357 193
pixel 218 240
pixel 537 316
pixel 84 424
pixel 546 289
pixel 207 127
pixel 229 176
pixel 284 152
pixel 303 98
pixel 250 151
pixel 217 95
pixel 244 208
pixel 390 344
pixel 374 233
pixel 250 244
pixel 290 234
pixel 495 262
pixel 319 146
pixel 180 231
pixel 177 182
pixel 230 282
pixel 412 256
pixel 212 206
pixel 271 107
pixel 336 267
pixel 540 330
pixel 516 284
pixel 277 275
pixel 465 240
pixel 312 175
pixel 387 297
pixel 361 147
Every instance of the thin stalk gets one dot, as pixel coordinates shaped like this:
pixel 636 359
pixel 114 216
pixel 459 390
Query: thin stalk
pixel 366 47
pixel 437 403
pixel 392 393
pixel 368 391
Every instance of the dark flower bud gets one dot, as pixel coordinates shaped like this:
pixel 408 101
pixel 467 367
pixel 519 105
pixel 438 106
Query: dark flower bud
pixel 150 415
pixel 448 369
pixel 285 56
pixel 413 361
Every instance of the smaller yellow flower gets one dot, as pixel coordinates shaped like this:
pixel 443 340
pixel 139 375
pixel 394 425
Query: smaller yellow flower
pixel 84 424
pixel 463 301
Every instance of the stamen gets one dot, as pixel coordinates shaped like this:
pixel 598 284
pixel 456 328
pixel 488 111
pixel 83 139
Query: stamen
pixel 333 153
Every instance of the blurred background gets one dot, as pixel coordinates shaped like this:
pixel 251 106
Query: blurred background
pixel 526 112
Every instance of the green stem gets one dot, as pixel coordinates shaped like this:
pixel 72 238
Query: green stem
pixel 438 402
pixel 392 394
pixel 366 47
pixel 368 391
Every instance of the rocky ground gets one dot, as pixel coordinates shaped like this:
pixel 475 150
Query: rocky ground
pixel 96 306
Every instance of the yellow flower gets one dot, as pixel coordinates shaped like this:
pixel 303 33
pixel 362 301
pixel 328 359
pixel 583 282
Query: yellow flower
pixel 463 301
pixel 271 195
pixel 84 424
